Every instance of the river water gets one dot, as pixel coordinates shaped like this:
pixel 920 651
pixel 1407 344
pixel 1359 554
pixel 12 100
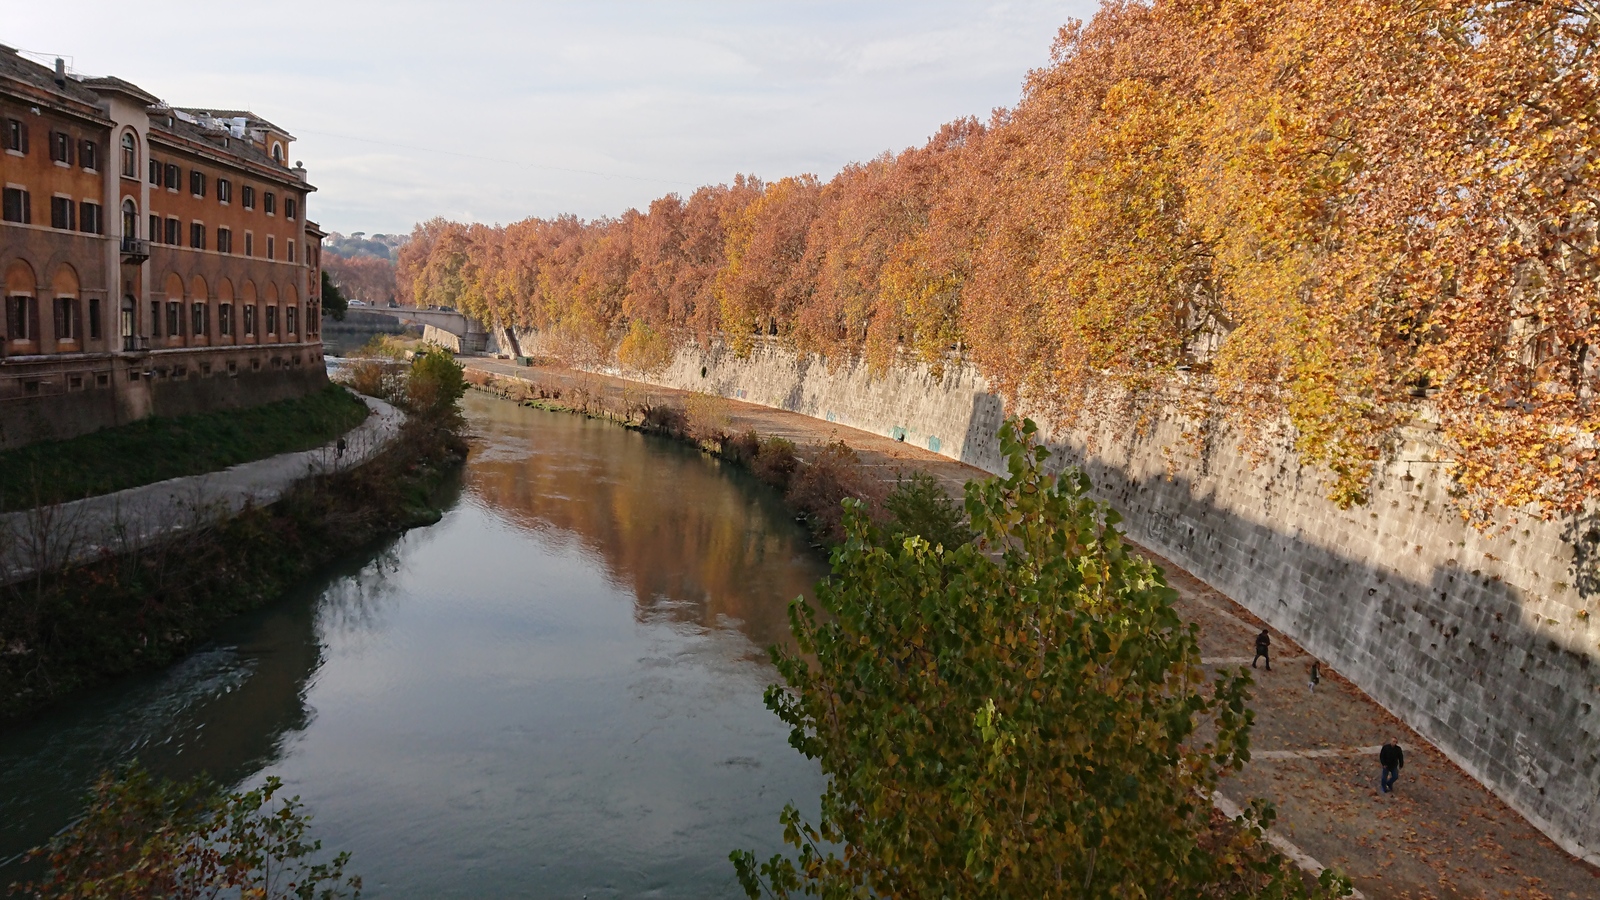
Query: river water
pixel 553 692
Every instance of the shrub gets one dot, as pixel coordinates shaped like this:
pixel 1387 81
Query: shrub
pixel 143 838
pixel 1025 715
pixel 775 462
pixel 818 490
pixel 707 416
pixel 742 449
pixel 919 506
pixel 436 380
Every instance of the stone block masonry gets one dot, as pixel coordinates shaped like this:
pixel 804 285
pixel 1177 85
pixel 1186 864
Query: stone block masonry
pixel 1485 644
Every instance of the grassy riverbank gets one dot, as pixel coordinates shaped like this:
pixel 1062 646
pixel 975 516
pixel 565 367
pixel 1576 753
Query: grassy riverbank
pixel 88 624
pixel 158 448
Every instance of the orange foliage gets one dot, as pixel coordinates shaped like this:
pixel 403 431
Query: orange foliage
pixel 1347 216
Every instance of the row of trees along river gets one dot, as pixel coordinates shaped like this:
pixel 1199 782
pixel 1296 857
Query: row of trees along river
pixel 1349 216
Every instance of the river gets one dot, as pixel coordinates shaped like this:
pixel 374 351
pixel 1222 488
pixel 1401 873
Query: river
pixel 555 691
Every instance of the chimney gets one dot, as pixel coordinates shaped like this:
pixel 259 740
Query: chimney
pixel 61 72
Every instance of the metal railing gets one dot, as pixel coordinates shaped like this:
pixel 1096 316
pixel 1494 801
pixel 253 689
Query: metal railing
pixel 134 342
pixel 135 250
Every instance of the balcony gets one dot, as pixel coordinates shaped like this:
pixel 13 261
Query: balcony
pixel 133 343
pixel 135 251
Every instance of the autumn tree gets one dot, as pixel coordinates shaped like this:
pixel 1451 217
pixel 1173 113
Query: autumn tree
pixel 1021 716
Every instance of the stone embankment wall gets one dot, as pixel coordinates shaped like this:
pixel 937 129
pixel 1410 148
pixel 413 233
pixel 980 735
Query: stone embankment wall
pixel 1486 644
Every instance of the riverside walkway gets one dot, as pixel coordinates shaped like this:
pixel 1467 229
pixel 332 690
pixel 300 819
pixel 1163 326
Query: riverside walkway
pixel 1440 835
pixel 51 537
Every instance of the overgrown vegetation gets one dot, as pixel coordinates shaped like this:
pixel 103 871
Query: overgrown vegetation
pixel 156 448
pixel 144 838
pixel 65 630
pixel 1025 715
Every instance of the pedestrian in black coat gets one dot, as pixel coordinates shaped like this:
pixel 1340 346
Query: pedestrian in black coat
pixel 1263 645
pixel 1392 759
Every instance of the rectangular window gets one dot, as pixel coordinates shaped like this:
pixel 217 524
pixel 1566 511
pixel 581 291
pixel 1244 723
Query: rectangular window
pixel 224 190
pixel 94 318
pixel 272 320
pixel 224 240
pixel 62 214
pixel 291 251
pixel 22 318
pixel 155 173
pixel 89 155
pixel 67 324
pixel 197 182
pixel 90 221
pixel 290 207
pixel 198 320
pixel 17 136
pixel 289 319
pixel 269 203
pixel 172 232
pixel 155 318
pixel 270 247
pixel 61 147
pixel 225 319
pixel 17 206
pixel 197 235
pixel 155 229
pixel 174 318
pixel 249 319
pixel 249 244
pixel 247 196
pixel 173 176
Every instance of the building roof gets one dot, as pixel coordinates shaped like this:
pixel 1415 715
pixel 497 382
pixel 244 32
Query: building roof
pixel 252 120
pixel 20 68
pixel 113 83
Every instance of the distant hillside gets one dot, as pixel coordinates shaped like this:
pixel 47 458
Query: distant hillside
pixel 359 243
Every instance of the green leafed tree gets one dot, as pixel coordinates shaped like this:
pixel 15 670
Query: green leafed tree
pixel 334 302
pixel 1024 715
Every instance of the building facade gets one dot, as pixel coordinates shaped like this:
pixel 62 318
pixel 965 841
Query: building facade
pixel 157 259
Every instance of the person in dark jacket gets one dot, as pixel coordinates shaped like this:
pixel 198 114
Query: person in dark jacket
pixel 1263 645
pixel 1316 675
pixel 1392 759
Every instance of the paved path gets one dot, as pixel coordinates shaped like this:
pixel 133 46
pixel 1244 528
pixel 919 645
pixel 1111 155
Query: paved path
pixel 51 537
pixel 1439 835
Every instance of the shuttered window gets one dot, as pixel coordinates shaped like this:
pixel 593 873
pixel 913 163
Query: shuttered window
pixel 17 136
pixel 18 207
pixel 62 214
pixel 91 219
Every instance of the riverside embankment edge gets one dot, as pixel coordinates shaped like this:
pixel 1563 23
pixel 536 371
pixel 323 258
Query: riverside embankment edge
pixel 1482 642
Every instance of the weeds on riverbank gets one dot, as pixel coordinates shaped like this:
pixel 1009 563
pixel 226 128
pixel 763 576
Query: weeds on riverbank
pixel 144 609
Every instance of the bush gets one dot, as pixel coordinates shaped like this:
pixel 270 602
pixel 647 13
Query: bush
pixel 436 380
pixel 144 838
pixel 919 506
pixel 775 462
pixel 707 416
pixel 1025 715
pixel 818 490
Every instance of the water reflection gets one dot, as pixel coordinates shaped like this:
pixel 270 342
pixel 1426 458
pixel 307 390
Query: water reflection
pixel 683 536
pixel 554 691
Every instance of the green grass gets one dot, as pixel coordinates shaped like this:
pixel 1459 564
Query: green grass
pixel 156 449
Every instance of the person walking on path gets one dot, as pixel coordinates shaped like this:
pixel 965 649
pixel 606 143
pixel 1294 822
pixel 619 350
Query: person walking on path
pixel 1392 759
pixel 1316 675
pixel 1263 645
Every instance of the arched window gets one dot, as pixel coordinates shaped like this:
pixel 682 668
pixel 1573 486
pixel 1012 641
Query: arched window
pixel 130 219
pixel 130 156
pixel 277 153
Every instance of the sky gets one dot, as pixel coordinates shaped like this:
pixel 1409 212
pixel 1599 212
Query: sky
pixel 495 111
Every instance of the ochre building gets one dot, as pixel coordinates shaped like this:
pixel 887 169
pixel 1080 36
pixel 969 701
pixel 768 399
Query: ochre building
pixel 157 259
